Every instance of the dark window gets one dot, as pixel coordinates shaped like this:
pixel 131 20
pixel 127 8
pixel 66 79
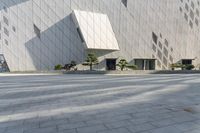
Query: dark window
pixel 191 24
pixel 160 45
pixel 36 30
pixel 181 10
pixel 154 48
pixel 197 12
pixel 192 4
pixel 6 42
pixel 5 20
pixel 165 52
pixel 196 21
pixel 159 55
pixel 172 49
pixel 186 7
pixel 155 37
pixel 14 29
pixel 191 14
pixel 6 31
pixel 5 9
pixel 186 62
pixel 166 43
pixel 125 2
pixel 160 35
pixel 80 35
pixel 165 62
pixel 186 17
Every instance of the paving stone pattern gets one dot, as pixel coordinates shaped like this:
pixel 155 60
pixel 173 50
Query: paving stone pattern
pixel 100 104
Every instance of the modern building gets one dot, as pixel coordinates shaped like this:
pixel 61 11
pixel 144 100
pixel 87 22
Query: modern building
pixel 39 34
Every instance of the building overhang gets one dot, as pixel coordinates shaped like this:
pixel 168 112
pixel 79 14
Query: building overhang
pixel 95 30
pixel 187 59
pixel 145 59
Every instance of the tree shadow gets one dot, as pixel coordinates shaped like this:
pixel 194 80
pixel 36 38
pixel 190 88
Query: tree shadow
pixel 59 44
pixel 138 95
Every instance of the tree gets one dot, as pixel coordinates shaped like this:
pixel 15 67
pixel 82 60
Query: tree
pixel 124 64
pixel 176 65
pixel 58 67
pixel 133 67
pixel 189 67
pixel 182 66
pixel 91 60
pixel 71 65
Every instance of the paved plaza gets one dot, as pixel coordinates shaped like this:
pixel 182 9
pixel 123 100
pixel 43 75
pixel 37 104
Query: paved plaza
pixel 100 104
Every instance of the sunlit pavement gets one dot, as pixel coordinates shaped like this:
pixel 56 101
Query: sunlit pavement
pixel 100 104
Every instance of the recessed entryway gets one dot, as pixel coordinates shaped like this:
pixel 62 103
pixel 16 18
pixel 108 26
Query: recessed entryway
pixel 111 64
pixel 187 61
pixel 145 64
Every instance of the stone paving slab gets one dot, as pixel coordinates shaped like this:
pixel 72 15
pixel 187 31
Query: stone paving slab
pixel 100 104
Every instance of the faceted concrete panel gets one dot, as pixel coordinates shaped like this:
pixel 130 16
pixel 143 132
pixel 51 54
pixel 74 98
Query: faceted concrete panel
pixel 96 30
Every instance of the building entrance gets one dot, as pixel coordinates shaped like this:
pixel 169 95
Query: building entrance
pixel 145 64
pixel 111 64
pixel 187 61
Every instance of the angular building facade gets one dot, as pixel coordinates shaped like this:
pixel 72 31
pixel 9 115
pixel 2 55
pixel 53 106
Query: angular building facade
pixel 39 34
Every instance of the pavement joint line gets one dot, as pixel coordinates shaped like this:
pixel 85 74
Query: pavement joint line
pixel 144 104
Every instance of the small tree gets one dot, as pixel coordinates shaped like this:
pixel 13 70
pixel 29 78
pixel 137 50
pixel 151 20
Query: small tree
pixel 176 65
pixel 91 60
pixel 183 67
pixel 124 64
pixel 133 67
pixel 189 67
pixel 58 67
pixel 71 65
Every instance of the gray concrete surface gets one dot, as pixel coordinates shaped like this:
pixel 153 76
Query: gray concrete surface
pixel 100 104
pixel 134 72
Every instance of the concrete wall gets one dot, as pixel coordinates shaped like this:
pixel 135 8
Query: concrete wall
pixel 133 25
